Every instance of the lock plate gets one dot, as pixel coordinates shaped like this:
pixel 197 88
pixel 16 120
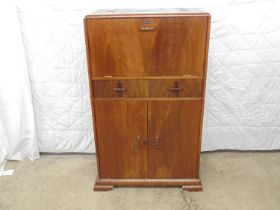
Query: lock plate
pixel 148 141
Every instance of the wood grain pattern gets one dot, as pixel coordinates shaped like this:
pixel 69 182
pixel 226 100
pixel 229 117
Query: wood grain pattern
pixel 132 88
pixel 147 88
pixel 119 123
pixel 148 63
pixel 178 47
pixel 176 124
pixel 175 88
pixel 175 47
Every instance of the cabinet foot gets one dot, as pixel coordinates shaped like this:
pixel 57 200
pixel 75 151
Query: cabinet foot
pixel 103 187
pixel 192 188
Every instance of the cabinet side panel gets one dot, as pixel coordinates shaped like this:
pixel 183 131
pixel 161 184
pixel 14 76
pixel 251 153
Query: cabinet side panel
pixel 91 91
pixel 204 84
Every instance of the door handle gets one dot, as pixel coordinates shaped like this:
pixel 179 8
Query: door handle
pixel 157 143
pixel 138 142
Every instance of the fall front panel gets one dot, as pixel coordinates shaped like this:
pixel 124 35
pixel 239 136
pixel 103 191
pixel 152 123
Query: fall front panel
pixel 166 46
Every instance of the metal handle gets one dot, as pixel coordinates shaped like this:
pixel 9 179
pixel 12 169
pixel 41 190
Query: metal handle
pixel 157 144
pixel 175 89
pixel 147 28
pixel 138 142
pixel 118 89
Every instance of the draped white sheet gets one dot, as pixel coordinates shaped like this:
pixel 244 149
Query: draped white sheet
pixel 17 124
pixel 243 86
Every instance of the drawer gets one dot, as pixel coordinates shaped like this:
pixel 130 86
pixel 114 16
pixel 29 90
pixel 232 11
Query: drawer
pixel 147 88
pixel 175 88
pixel 119 88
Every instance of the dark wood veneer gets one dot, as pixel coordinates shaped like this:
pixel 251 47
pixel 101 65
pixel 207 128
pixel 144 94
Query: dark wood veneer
pixel 147 75
pixel 148 88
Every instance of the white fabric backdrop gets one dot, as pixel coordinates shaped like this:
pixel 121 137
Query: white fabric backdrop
pixel 243 85
pixel 17 125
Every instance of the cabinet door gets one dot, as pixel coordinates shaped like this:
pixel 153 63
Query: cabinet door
pixel 174 128
pixel 121 128
pixel 167 46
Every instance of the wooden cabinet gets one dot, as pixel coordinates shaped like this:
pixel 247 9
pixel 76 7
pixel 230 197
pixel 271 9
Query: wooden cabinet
pixel 147 73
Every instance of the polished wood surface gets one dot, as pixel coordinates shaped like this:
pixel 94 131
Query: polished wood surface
pixel 175 46
pixel 174 130
pixel 147 77
pixel 119 125
pixel 120 88
pixel 175 88
pixel 160 88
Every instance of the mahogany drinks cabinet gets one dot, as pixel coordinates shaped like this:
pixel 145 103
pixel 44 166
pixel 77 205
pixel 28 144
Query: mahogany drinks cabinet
pixel 147 73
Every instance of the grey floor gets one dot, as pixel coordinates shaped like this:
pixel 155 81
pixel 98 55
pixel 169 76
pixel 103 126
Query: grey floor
pixel 231 180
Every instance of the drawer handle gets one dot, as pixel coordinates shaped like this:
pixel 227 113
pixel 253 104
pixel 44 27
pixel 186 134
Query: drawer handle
pixel 176 89
pixel 119 89
pixel 147 28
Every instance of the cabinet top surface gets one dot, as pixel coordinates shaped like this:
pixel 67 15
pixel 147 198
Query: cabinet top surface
pixel 146 12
